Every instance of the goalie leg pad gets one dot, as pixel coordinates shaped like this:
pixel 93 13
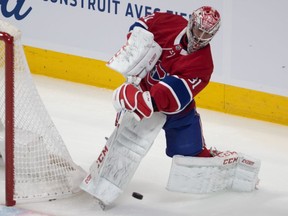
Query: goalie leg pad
pixel 226 171
pixel 201 175
pixel 121 156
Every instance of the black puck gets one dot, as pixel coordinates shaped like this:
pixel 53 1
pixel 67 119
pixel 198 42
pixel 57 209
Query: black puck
pixel 137 195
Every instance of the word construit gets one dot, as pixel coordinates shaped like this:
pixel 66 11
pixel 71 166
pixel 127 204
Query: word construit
pixel 108 6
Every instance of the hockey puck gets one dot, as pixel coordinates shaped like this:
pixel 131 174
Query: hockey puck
pixel 137 195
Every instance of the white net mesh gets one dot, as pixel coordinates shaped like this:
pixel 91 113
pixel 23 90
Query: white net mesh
pixel 43 167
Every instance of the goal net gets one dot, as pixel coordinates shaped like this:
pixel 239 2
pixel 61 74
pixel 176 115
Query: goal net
pixel 37 163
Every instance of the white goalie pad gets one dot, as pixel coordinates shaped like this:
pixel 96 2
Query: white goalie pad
pixel 117 163
pixel 138 56
pixel 226 171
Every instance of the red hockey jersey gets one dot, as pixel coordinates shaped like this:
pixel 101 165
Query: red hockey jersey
pixel 178 76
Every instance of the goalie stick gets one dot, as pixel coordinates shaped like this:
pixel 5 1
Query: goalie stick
pixel 133 139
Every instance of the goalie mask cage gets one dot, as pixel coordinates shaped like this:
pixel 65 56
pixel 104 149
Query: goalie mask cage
pixel 37 163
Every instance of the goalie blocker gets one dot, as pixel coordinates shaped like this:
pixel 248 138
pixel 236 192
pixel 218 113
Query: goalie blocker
pixel 137 57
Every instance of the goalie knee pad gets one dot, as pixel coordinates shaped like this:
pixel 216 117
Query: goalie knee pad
pixel 121 156
pixel 225 171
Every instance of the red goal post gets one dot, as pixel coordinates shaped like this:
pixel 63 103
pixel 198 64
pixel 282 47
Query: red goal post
pixel 37 163
pixel 9 121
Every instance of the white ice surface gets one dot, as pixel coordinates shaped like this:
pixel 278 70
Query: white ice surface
pixel 84 116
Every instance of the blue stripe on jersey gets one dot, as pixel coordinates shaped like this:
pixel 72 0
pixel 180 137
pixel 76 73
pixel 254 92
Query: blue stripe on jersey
pixel 182 92
pixel 136 24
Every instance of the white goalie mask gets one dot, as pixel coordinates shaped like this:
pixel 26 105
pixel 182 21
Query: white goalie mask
pixel 202 27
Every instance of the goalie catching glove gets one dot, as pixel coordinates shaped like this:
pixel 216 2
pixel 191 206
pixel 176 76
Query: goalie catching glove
pixel 130 98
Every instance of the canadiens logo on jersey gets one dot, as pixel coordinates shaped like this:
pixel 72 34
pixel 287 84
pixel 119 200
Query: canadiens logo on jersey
pixel 157 74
